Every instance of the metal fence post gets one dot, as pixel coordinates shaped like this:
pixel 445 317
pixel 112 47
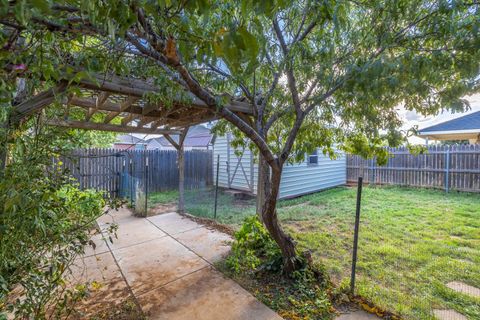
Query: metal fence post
pixel 146 185
pixel 216 188
pixel 131 182
pixel 447 170
pixel 355 235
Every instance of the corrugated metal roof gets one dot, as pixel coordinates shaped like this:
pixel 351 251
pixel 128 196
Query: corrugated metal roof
pixel 467 122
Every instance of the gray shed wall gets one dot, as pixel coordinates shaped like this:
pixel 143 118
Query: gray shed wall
pixel 297 179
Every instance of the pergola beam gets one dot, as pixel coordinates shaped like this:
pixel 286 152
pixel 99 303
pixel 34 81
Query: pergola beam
pixel 129 91
pixel 138 88
pixel 107 127
pixel 123 106
pixel 99 102
pixel 38 102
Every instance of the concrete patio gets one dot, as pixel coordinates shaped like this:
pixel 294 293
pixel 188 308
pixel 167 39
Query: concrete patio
pixel 165 263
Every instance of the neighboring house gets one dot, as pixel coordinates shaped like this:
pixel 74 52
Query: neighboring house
pixel 129 142
pixel 460 129
pixel 315 173
pixel 198 138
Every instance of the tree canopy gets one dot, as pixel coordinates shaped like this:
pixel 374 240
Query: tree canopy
pixel 318 74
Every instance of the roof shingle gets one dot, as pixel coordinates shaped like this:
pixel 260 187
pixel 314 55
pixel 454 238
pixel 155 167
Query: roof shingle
pixel 468 122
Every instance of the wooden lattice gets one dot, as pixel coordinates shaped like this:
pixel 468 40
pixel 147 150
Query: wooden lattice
pixel 124 98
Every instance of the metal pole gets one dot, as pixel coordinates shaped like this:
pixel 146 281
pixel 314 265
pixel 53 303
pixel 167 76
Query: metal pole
pixel 146 185
pixel 355 235
pixel 131 182
pixel 216 187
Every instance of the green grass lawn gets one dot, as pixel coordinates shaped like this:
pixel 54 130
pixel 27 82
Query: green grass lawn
pixel 412 242
pixel 201 203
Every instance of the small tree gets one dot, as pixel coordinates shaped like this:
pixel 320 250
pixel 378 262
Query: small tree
pixel 316 73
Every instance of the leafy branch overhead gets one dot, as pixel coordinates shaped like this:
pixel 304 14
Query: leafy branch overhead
pixel 350 60
pixel 317 74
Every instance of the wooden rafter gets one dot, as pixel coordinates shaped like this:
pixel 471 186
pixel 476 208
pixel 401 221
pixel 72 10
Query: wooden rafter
pixel 129 118
pixel 37 102
pixel 124 97
pixel 99 102
pixel 123 106
pixel 139 88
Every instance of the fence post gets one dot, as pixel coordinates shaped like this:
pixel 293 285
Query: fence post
pixel 447 170
pixel 374 170
pixel 146 184
pixel 131 180
pixel 355 235
pixel 216 188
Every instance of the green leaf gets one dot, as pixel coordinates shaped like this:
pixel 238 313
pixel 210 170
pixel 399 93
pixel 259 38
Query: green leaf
pixel 41 5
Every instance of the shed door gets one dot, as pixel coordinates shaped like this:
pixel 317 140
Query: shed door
pixel 240 171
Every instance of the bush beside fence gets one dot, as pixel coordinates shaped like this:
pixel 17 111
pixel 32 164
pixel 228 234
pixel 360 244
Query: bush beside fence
pixel 455 167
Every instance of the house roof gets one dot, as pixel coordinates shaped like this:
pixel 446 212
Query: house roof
pixel 197 136
pixel 468 122
pixel 465 127
pixel 128 139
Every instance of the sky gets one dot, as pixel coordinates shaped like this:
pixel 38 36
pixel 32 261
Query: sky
pixel 411 118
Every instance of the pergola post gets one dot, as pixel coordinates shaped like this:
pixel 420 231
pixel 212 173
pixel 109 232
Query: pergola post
pixel 181 167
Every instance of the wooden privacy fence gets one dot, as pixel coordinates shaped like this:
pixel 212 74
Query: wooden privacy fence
pixel 454 167
pixel 104 169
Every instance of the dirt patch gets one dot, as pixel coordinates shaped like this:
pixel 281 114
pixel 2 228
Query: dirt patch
pixel 162 208
pixel 126 310
pixel 211 224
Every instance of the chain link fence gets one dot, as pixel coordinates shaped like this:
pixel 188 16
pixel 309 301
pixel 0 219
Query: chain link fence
pixel 409 263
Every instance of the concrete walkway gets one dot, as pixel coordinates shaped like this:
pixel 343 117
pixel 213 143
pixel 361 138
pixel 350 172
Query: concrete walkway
pixel 165 262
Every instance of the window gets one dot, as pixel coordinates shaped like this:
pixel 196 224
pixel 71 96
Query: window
pixel 313 158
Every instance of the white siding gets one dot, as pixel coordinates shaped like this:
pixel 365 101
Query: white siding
pixel 297 179
pixel 240 168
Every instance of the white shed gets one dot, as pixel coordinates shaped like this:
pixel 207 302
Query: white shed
pixel 315 173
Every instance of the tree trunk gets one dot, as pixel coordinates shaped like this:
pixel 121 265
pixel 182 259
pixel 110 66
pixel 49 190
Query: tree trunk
pixel 270 220
pixel 181 167
pixel 181 179
pixel 263 181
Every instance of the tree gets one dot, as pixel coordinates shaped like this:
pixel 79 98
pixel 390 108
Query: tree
pixel 317 73
pixel 178 145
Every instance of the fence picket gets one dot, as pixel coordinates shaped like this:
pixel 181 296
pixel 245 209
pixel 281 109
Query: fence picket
pixel 462 165
pixel 101 169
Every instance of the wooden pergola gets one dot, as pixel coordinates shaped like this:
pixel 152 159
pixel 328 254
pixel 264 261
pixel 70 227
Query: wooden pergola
pixel 124 98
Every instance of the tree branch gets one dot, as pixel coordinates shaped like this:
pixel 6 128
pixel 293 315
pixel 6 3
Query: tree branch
pixel 280 37
pixel 227 75
pixel 306 31
pixel 253 135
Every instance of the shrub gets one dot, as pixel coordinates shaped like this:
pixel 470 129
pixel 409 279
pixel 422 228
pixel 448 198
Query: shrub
pixel 256 261
pixel 253 248
pixel 45 222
